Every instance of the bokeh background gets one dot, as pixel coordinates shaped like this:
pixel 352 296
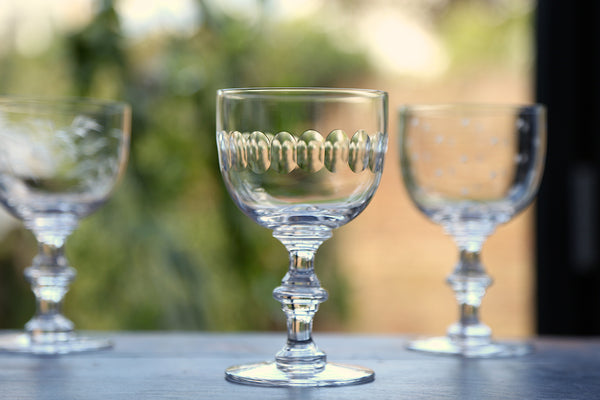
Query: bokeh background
pixel 170 250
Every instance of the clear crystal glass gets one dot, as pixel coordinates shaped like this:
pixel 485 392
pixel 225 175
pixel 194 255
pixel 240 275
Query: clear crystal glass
pixel 469 168
pixel 301 162
pixel 59 161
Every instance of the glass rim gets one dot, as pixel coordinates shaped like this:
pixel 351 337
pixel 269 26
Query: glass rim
pixel 279 92
pixel 477 107
pixel 21 103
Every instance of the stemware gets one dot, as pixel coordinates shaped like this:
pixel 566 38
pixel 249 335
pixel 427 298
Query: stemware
pixel 469 168
pixel 59 161
pixel 301 162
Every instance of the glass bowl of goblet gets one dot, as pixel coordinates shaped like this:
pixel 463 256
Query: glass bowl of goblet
pixel 470 168
pixel 59 162
pixel 301 162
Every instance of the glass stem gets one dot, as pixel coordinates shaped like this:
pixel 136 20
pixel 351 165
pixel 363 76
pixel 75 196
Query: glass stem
pixel 49 276
pixel 300 294
pixel 469 282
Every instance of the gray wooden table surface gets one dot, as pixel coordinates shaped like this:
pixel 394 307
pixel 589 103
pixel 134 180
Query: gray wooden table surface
pixel 190 366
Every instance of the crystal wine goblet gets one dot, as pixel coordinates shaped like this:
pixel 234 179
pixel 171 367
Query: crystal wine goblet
pixel 301 162
pixel 469 168
pixel 59 161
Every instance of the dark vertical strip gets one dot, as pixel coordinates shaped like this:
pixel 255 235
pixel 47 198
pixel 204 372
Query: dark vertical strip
pixel 568 248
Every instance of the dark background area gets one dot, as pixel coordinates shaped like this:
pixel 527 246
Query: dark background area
pixel 568 234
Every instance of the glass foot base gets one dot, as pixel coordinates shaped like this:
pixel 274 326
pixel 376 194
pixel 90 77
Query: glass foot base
pixel 447 346
pixel 22 343
pixel 267 374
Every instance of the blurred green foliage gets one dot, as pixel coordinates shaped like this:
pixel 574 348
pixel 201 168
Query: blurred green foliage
pixel 170 250
pixel 479 34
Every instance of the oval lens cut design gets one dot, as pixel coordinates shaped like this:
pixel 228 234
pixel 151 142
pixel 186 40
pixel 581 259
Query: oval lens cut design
pixel 336 150
pixel 224 152
pixel 358 157
pixel 283 153
pixel 259 155
pixel 237 144
pixel 311 151
pixel 378 146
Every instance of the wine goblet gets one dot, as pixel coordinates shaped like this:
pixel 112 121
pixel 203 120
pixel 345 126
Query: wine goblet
pixel 469 168
pixel 301 162
pixel 59 161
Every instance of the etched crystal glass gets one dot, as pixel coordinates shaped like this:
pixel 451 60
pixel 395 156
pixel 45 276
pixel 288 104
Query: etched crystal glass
pixel 470 168
pixel 59 161
pixel 301 162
